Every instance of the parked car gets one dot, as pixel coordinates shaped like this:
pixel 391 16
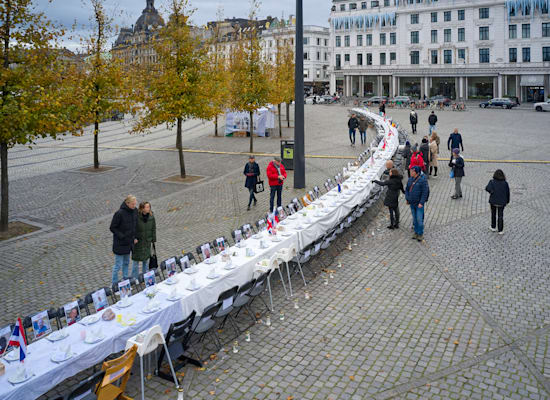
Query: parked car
pixel 439 99
pixel 499 102
pixel 375 100
pixel 543 106
pixel 327 99
pixel 402 99
pixel 318 100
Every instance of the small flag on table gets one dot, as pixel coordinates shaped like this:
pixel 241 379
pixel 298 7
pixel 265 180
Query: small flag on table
pixel 18 339
pixel 339 188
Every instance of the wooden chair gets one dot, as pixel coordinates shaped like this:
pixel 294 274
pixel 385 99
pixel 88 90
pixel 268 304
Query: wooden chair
pixel 116 369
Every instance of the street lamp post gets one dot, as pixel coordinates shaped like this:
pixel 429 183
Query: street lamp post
pixel 299 148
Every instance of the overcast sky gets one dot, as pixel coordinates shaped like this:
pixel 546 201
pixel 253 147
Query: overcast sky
pixel 126 12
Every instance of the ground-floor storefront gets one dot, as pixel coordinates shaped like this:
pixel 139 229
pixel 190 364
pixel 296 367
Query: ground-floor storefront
pixel 527 88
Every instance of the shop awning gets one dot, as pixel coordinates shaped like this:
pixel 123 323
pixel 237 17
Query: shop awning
pixel 532 80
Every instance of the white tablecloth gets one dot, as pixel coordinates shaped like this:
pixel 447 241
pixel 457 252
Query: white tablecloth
pixel 315 224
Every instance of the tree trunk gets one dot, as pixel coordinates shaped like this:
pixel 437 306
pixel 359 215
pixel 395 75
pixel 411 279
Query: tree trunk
pixel 4 187
pixel 96 142
pixel 251 132
pixel 280 127
pixel 216 125
pixel 288 113
pixel 180 149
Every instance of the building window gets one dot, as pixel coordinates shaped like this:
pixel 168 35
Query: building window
pixel 415 57
pixel 382 58
pixel 448 56
pixel 338 41
pixel 306 73
pixel 546 54
pixel 318 41
pixel 526 54
pixel 318 56
pixel 346 41
pixel 513 54
pixel 353 6
pixel 369 59
pixel 326 42
pixel 375 4
pixel 338 60
pixel 483 33
pixel 368 38
pixel 434 36
pixel 359 40
pixel 525 31
pixel 484 13
pixel 461 15
pixel 393 38
pixel 434 17
pixel 326 56
pixel 393 56
pixel 484 55
pixel 306 55
pixel 346 58
pixel 462 54
pixel 447 16
pixel 414 19
pixel 433 56
pixel 342 7
pixel 461 34
pixel 414 37
pixel 546 29
pixel 359 59
pixel 447 35
pixel 512 31
pixel 306 41
pixel 382 39
pixel 363 5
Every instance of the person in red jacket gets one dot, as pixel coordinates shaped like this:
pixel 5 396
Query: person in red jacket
pixel 417 160
pixel 276 175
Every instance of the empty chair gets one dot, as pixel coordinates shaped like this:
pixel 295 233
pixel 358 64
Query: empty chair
pixel 286 255
pixel 202 325
pixel 85 389
pixel 226 299
pixel 116 370
pixel 243 299
pixel 258 289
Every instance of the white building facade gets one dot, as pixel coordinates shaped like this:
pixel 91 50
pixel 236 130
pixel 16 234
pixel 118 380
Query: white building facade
pixel 317 52
pixel 464 49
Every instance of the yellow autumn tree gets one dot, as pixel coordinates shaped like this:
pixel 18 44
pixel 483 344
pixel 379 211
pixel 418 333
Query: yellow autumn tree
pixel 249 81
pixel 180 88
pixel 34 101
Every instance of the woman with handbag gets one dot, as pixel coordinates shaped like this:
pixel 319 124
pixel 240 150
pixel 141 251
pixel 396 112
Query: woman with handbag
pixel 252 173
pixel 146 236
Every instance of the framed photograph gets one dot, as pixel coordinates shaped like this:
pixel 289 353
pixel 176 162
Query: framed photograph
pixel 100 299
pixel 170 266
pixel 41 324
pixel 221 244
pixel 149 278
pixel 297 204
pixel 184 263
pixel 306 201
pixel 247 230
pixel 124 288
pixel 261 225
pixel 72 313
pixel 206 252
pixel 327 186
pixel 317 192
pixel 281 213
pixel 292 208
pixel 311 195
pixel 5 333
pixel 238 235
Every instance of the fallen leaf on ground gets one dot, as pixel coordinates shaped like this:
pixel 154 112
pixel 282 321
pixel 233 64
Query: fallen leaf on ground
pixel 473 283
pixel 368 289
pixel 218 380
pixel 327 355
pixel 225 371
pixel 212 392
pixel 167 391
pixel 352 378
pixel 436 321
pixel 262 385
pixel 290 398
pixel 456 342
pixel 41 282
pixel 498 286
pixel 449 329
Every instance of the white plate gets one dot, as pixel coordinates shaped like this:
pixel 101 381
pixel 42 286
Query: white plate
pixel 213 276
pixel 229 267
pixel 209 261
pixel 120 305
pixel 286 234
pixel 97 340
pixel 172 280
pixel 174 298
pixel 90 319
pixel 193 289
pixel 275 239
pixel 14 380
pixel 283 222
pixel 12 355
pixel 60 357
pixel 56 336
pixel 150 311
pixel 293 216
pixel 190 271
pixel 257 236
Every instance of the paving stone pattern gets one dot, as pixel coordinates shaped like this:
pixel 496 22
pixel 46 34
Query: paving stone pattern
pixel 462 315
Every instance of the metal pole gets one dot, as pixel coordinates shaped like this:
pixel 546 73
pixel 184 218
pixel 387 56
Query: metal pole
pixel 299 148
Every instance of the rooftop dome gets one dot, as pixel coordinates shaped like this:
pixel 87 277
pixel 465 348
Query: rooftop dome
pixel 149 19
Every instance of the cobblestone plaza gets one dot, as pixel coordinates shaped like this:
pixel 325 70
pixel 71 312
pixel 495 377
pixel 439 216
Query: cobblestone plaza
pixel 464 315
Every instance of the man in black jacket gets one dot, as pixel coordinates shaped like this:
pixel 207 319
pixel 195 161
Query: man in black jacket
pixel 413 117
pixel 123 226
pixel 455 141
pixel 432 120
pixel 353 124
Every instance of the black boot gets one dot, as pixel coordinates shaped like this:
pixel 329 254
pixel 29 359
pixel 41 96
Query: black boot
pixel 435 171
pixel 431 169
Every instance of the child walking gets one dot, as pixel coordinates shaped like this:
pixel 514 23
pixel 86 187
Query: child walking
pixel 395 185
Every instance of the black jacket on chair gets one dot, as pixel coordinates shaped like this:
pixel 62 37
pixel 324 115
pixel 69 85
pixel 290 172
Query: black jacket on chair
pixel 123 227
pixel 395 185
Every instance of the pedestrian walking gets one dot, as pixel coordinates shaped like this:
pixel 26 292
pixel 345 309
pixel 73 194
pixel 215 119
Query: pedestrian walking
pixel 434 153
pixel 498 199
pixel 416 159
pixel 252 173
pixel 395 186
pixel 353 124
pixel 457 172
pixel 417 194
pixel 407 153
pixel 123 227
pixel 425 150
pixel 363 125
pixel 432 120
pixel 146 236
pixel 437 139
pixel 413 117
pixel 382 108
pixel 276 176
pixel 455 141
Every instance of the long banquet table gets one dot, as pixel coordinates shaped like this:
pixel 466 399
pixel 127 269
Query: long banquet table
pixel 46 374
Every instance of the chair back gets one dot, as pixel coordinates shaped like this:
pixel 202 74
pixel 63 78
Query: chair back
pixel 177 338
pixel 317 192
pixel 274 262
pixel 247 230
pixel 205 251
pixel 220 244
pixel 86 387
pixel 116 369
pixel 291 208
pixel 153 339
pixel 227 297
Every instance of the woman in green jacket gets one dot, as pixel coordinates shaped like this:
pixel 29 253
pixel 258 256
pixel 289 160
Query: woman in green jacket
pixel 146 234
